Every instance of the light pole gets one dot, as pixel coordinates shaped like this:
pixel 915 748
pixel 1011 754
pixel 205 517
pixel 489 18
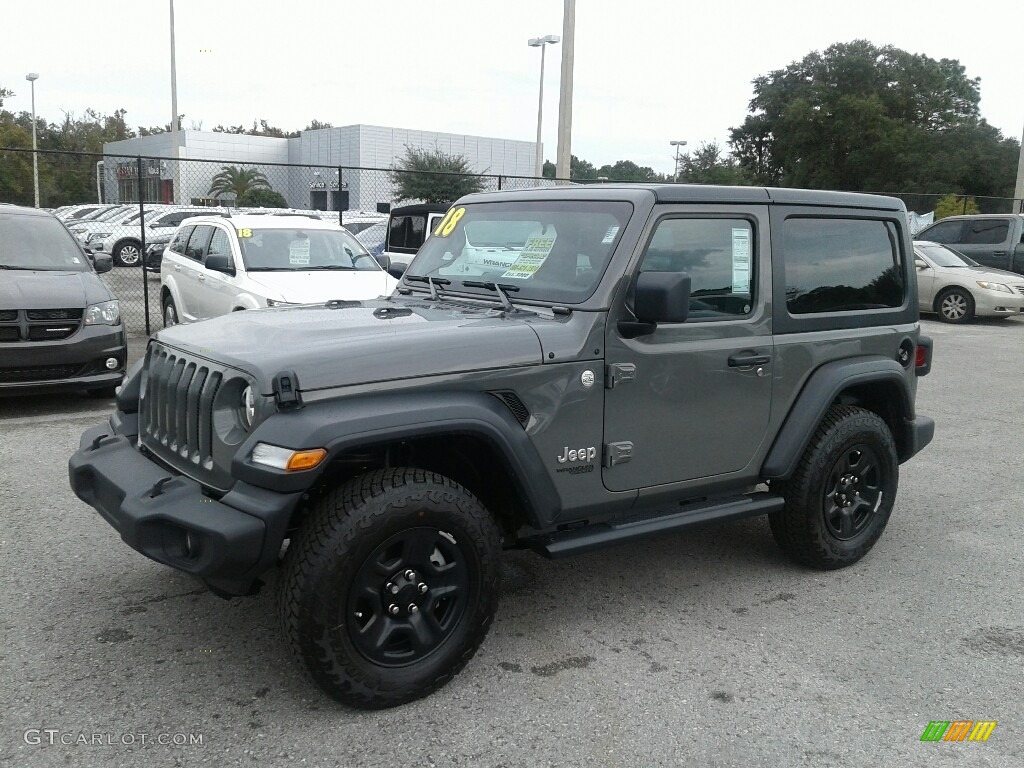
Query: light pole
pixel 563 165
pixel 1018 205
pixel 542 43
pixel 175 174
pixel 677 145
pixel 32 77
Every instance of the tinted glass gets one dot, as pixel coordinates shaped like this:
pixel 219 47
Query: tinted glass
pixel 37 242
pixel 835 265
pixel 298 249
pixel 944 232
pixel 220 244
pixel 718 256
pixel 548 251
pixel 181 239
pixel 986 231
pixel 196 247
pixel 407 232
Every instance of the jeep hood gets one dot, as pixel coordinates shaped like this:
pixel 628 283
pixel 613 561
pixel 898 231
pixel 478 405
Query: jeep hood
pixel 359 342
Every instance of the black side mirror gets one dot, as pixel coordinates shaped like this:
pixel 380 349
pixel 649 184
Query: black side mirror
pixel 219 262
pixel 383 260
pixel 662 297
pixel 102 263
pixel 397 270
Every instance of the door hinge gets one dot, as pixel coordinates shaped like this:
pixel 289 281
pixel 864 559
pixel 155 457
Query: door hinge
pixel 617 453
pixel 618 373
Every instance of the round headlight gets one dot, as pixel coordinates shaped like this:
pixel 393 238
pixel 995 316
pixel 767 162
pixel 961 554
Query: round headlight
pixel 248 407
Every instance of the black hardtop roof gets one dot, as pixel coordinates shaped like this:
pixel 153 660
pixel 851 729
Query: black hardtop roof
pixel 694 193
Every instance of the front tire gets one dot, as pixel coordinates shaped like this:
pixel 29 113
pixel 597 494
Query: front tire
pixel 839 499
pixel 128 254
pixel 390 586
pixel 170 312
pixel 955 305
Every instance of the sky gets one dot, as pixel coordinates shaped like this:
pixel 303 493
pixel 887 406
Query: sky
pixel 646 71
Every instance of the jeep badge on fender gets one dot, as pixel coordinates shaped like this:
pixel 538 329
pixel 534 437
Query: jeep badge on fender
pixel 421 430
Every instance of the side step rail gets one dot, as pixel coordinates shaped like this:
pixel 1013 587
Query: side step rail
pixel 598 535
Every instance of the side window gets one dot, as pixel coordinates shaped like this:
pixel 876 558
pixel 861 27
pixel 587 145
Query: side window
pixel 220 244
pixel 181 239
pixel 836 265
pixel 196 248
pixel 986 232
pixel 718 254
pixel 945 232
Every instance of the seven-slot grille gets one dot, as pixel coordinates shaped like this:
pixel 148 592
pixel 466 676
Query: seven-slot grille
pixel 38 324
pixel 177 408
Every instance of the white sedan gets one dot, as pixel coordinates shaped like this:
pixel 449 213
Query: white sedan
pixel 959 289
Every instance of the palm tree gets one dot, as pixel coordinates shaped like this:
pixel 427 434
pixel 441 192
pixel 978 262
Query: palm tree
pixel 237 180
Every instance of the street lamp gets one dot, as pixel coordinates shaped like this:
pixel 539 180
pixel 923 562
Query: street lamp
pixel 542 43
pixel 677 145
pixel 32 77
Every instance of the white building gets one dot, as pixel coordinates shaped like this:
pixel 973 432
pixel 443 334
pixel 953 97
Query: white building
pixel 341 168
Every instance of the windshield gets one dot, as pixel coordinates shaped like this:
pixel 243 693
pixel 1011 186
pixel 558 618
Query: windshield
pixel 111 214
pixel 945 257
pixel 38 242
pixel 297 249
pixel 547 250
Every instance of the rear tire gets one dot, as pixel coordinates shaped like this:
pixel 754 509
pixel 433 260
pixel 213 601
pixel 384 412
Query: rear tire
pixel 839 499
pixel 390 586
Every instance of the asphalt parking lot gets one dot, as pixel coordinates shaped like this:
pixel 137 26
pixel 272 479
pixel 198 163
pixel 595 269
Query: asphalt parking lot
pixel 700 649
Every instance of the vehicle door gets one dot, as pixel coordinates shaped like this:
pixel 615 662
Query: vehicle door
pixel 692 400
pixel 985 241
pixel 926 281
pixel 219 288
pixel 192 273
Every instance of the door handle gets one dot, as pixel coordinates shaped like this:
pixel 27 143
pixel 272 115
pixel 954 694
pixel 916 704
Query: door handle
pixel 998 253
pixel 202 278
pixel 745 361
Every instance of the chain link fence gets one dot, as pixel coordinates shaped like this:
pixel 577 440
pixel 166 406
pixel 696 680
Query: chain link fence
pixel 120 205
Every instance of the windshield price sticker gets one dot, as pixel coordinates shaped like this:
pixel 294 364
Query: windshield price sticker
pixel 298 252
pixel 245 233
pixel 740 260
pixel 535 252
pixel 447 225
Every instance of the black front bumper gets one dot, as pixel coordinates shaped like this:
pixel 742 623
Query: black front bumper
pixel 226 542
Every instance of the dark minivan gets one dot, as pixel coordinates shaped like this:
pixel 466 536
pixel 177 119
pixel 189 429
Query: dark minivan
pixel 60 326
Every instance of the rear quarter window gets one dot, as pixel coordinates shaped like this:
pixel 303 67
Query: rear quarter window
pixel 839 265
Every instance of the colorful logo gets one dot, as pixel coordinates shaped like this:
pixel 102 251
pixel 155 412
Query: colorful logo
pixel 958 730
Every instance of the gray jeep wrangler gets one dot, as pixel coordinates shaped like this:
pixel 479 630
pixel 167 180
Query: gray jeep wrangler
pixel 560 369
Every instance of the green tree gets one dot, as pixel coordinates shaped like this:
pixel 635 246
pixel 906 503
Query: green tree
pixel 951 205
pixel 258 197
pixel 627 170
pixel 236 180
pixel 864 117
pixel 432 176
pixel 707 165
pixel 579 169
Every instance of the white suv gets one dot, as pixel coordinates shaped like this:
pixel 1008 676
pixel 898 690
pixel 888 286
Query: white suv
pixel 216 265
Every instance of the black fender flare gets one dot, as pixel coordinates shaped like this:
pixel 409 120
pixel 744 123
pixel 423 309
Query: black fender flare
pixel 369 420
pixel 818 395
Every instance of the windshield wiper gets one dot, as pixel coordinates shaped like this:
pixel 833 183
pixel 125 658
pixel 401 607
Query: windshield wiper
pixel 433 282
pixel 498 288
pixel 330 266
pixel 14 266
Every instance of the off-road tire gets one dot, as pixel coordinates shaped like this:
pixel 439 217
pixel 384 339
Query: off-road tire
pixel 325 569
pixel 806 527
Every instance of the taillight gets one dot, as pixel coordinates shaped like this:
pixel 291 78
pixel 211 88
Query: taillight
pixel 921 357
